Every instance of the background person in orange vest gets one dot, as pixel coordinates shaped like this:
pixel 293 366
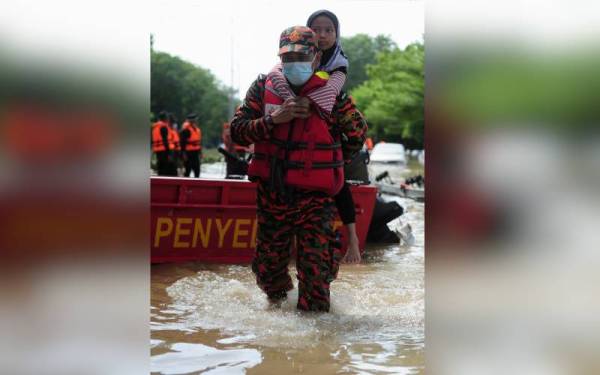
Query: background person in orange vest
pixel 176 145
pixel 163 146
pixel 191 144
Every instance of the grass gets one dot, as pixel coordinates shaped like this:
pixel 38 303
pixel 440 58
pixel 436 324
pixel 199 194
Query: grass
pixel 211 155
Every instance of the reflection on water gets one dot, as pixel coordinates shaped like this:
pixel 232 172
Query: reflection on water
pixel 397 172
pixel 187 358
pixel 214 319
pixel 213 170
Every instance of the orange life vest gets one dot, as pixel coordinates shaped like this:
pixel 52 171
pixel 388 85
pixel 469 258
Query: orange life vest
pixel 157 141
pixel 301 153
pixel 193 142
pixel 174 139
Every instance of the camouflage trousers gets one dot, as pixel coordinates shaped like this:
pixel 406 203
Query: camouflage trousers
pixel 309 217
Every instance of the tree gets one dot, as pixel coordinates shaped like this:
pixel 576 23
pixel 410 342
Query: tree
pixel 392 99
pixel 180 88
pixel 361 51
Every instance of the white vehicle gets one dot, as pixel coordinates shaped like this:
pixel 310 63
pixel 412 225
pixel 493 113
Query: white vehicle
pixel 388 153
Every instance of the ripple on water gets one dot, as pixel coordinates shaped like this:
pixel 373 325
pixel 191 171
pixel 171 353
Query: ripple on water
pixel 187 358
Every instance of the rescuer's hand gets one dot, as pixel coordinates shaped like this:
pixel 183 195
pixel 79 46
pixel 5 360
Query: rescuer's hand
pixel 285 112
pixel 302 109
pixel 290 109
pixel 353 253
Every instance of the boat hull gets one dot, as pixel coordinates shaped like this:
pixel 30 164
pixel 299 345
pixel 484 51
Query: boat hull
pixel 214 221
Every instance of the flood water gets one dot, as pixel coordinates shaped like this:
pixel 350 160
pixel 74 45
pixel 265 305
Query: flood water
pixel 213 319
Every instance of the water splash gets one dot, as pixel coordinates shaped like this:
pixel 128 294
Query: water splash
pixel 365 305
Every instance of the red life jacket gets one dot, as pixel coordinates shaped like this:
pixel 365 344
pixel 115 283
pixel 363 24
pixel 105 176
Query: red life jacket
pixel 301 153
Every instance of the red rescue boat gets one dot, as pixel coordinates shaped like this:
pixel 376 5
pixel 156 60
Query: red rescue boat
pixel 214 220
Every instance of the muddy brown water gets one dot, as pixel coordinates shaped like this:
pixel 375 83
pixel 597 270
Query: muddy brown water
pixel 213 319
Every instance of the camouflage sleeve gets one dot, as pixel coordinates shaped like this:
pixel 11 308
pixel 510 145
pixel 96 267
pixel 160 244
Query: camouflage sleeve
pixel 248 125
pixel 352 124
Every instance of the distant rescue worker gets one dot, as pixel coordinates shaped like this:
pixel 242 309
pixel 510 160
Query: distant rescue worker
pixel 299 153
pixel 163 145
pixel 369 144
pixel 191 144
pixel 176 143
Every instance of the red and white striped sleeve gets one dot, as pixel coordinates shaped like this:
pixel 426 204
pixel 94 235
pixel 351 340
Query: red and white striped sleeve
pixel 279 82
pixel 325 96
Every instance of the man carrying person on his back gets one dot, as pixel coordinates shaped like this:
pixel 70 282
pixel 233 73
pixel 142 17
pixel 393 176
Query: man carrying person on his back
pixel 298 164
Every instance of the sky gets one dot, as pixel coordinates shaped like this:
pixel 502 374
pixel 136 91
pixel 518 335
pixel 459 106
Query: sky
pixel 218 34
pixel 112 35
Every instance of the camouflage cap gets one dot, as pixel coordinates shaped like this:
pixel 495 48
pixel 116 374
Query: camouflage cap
pixel 298 39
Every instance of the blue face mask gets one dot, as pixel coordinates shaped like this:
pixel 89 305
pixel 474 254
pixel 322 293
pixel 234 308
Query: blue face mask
pixel 297 72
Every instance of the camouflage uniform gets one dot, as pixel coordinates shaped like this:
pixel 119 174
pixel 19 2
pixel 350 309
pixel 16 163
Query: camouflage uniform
pixel 307 214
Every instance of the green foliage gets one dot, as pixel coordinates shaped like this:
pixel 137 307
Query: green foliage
pixel 392 99
pixel 180 88
pixel 361 51
pixel 524 88
pixel 211 155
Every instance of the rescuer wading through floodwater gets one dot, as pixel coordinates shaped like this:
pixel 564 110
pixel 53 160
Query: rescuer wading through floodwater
pixel 302 131
pixel 298 166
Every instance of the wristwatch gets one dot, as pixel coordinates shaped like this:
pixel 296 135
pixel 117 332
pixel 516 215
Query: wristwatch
pixel 269 120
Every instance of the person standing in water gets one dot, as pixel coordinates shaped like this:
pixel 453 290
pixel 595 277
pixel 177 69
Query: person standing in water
pixel 333 61
pixel 298 166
